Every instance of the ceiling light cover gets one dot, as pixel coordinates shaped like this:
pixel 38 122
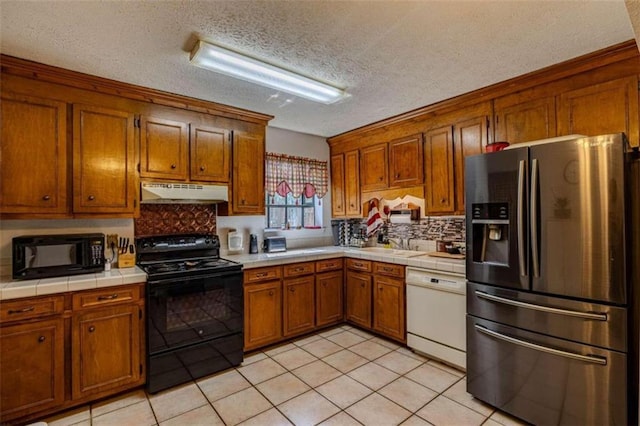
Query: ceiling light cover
pixel 218 59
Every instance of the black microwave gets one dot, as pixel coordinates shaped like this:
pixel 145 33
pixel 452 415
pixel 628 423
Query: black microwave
pixel 45 256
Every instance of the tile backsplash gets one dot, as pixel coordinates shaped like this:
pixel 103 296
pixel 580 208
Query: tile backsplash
pixel 156 219
pixel 447 228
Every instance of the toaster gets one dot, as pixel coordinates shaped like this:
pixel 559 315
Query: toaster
pixel 274 244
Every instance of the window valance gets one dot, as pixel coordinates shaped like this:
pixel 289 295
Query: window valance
pixel 296 175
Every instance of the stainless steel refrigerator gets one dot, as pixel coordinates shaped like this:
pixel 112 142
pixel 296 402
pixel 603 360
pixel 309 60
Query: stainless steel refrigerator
pixel 553 280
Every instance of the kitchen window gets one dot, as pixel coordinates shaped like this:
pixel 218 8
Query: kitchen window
pixel 293 213
pixel 294 190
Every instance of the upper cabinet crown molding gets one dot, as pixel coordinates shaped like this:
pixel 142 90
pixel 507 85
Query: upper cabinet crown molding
pixel 37 71
pixel 627 50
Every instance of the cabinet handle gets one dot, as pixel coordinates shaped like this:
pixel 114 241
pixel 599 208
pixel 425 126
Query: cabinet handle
pixel 398 176
pixel 324 284
pixel 292 290
pixel 242 201
pixel 362 285
pixel 21 311
pixel 442 200
pixel 380 288
pixel 380 178
pixel 298 270
pixel 271 293
pixel 46 198
pixel 111 297
pixel 173 166
pixel 91 198
pixel 387 269
pixel 92 329
pixel 41 339
pixel 202 168
pixel 261 274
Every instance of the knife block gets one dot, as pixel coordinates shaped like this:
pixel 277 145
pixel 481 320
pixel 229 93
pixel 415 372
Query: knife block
pixel 126 260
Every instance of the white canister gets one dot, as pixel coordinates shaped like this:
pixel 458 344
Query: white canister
pixel 234 240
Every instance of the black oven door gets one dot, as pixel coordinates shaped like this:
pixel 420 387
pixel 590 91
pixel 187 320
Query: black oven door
pixel 190 310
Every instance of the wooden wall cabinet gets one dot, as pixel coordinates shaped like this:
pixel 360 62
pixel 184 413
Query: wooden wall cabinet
pixel 210 154
pixel 33 149
pixel 519 119
pixel 405 161
pixel 104 161
pixel 92 341
pixel 247 186
pixel 603 108
pixel 470 138
pixel 338 206
pixel 164 152
pixel 438 163
pixel 345 184
pixel 374 167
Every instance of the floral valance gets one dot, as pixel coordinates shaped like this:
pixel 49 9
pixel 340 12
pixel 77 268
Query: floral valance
pixel 297 175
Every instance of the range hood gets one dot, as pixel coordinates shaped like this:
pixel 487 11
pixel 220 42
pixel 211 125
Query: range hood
pixel 183 193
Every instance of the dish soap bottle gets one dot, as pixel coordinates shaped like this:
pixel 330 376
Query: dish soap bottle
pixel 253 244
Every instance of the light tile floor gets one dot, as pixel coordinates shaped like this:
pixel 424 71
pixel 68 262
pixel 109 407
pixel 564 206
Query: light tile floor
pixel 341 376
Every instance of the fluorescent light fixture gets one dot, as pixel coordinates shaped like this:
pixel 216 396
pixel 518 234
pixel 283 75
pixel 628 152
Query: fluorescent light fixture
pixel 224 61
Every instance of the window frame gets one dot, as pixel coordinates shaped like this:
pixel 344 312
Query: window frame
pixel 312 203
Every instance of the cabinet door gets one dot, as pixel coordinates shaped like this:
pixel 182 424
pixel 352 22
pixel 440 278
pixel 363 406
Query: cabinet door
pixel 405 161
pixel 374 170
pixel 609 107
pixel 337 186
pixel 31 367
pixel 210 154
pixel 525 120
pixel 329 291
pixel 248 173
pixel 105 349
pixel 299 305
pixel 469 139
pixel 359 298
pixel 33 149
pixel 104 161
pixel 389 307
pixel 163 148
pixel 352 183
pixel 263 314
pixel 438 165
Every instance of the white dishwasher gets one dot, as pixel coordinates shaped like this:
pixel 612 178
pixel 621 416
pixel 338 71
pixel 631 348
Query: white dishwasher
pixel 436 311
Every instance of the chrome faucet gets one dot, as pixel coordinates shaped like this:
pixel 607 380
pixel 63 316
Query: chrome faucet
pixel 400 243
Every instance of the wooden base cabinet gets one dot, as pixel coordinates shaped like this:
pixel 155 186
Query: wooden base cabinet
pixel 359 298
pixel 299 305
pixel 32 370
pixel 105 349
pixel 389 306
pixel 69 349
pixel 262 307
pixel 329 300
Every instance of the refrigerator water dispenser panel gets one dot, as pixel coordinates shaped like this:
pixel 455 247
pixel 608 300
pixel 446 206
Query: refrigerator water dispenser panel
pixel 490 223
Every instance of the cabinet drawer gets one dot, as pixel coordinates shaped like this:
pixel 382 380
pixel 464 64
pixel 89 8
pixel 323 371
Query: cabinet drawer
pixel 359 265
pixel 329 265
pixel 104 297
pixel 31 308
pixel 262 274
pixel 388 269
pixel 297 269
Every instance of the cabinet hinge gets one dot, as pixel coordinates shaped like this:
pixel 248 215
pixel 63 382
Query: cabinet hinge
pixel 139 313
pixel 140 369
pixel 136 122
pixel 638 84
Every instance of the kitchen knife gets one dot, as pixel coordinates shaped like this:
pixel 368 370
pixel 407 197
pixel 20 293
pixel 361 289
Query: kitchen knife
pixel 131 248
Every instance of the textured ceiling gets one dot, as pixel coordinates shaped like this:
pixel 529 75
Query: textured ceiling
pixel 391 56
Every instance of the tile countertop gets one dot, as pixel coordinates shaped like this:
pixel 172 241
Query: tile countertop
pixel 14 289
pixel 317 253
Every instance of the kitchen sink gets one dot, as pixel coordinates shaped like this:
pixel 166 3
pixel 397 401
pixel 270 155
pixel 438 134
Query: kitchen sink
pixel 295 252
pixel 393 252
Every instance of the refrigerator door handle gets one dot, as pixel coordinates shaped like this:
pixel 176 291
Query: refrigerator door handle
pixel 534 218
pixel 521 255
pixel 541 308
pixel 585 358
